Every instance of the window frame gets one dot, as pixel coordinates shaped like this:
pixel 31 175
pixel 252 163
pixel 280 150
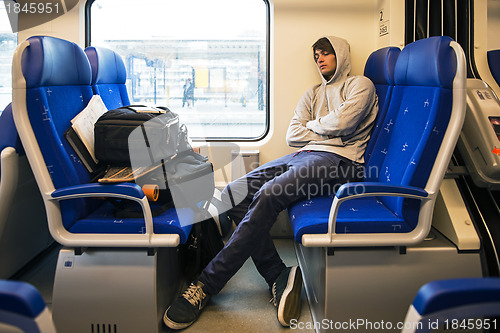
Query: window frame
pixel 267 129
pixel 9 64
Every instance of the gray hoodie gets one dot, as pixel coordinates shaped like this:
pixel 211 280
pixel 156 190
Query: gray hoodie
pixel 337 115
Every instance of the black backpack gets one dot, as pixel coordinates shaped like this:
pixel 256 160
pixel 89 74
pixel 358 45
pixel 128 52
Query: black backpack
pixel 203 244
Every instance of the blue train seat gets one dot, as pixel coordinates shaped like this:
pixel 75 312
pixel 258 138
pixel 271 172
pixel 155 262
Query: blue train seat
pixel 54 95
pixel 52 84
pixel 455 304
pixel 22 306
pixel 109 76
pixel 23 233
pixel 494 64
pixel 8 134
pixel 379 68
pixel 9 142
pixel 410 155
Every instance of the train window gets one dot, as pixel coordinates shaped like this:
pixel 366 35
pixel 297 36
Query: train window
pixel 205 60
pixel 8 43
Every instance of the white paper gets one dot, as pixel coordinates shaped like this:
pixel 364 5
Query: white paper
pixel 83 123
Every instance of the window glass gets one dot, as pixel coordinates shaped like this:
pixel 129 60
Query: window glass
pixel 8 43
pixel 205 60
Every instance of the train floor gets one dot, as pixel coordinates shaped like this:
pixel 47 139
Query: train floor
pixel 242 306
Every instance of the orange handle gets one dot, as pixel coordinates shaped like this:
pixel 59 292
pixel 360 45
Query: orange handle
pixel 151 191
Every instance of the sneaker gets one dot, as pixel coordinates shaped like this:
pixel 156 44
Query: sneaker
pixel 186 308
pixel 287 292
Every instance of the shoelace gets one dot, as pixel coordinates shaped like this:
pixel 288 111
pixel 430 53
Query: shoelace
pixel 194 294
pixel 274 300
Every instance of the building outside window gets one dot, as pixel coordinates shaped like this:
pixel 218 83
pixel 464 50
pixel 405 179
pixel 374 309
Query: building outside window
pixel 8 44
pixel 205 60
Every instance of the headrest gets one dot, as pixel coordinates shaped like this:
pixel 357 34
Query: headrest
pixel 20 298
pixel 380 65
pixel 427 62
pixel 107 66
pixel 50 61
pixel 8 131
pixel 494 63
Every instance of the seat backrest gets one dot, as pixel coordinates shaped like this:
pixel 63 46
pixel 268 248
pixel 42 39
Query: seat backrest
pixel 494 64
pixel 51 79
pixel 22 306
pixel 453 301
pixel 8 132
pixel 406 146
pixel 379 68
pixel 109 76
pixel 19 242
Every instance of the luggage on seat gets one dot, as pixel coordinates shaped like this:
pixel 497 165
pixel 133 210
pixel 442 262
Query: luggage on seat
pixel 187 179
pixel 147 146
pixel 144 144
pixel 130 132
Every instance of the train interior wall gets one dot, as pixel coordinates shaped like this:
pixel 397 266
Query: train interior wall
pixel 295 25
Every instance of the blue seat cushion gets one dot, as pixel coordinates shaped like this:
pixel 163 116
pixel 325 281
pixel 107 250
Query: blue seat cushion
pixel 46 63
pixel 8 132
pixel 384 93
pixel 50 110
pixel 379 67
pixel 103 220
pixel 109 76
pixel 442 295
pixel 107 66
pixel 494 64
pixel 113 95
pixel 20 298
pixel 362 215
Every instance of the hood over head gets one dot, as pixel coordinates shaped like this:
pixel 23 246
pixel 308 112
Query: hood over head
pixel 342 53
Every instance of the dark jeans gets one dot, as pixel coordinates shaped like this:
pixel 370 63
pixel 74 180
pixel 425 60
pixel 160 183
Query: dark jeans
pixel 254 202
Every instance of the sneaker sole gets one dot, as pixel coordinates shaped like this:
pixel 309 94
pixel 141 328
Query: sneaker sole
pixel 290 303
pixel 173 325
